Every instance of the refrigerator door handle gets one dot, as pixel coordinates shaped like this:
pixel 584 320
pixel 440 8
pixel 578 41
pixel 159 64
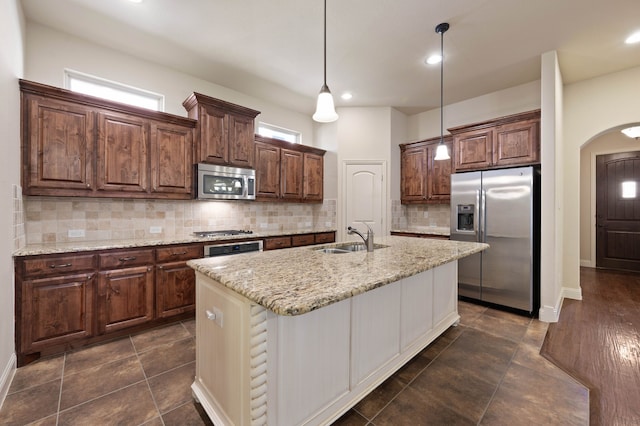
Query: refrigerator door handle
pixel 483 216
pixel 478 222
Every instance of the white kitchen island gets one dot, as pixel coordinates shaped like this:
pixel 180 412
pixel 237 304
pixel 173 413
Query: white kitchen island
pixel 297 336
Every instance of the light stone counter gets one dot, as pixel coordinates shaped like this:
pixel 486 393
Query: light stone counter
pixel 299 280
pixel 425 230
pixel 80 246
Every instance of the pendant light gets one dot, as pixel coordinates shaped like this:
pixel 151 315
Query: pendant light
pixel 442 153
pixel 325 110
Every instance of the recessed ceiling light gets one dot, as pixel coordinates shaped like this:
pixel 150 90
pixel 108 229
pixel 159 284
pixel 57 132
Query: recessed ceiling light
pixel 434 59
pixel 632 132
pixel 633 38
pixel 136 1
pixel 346 96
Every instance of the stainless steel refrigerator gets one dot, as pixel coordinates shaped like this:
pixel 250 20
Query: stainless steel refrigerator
pixel 500 208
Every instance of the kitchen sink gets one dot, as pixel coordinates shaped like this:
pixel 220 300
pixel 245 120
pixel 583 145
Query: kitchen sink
pixel 347 248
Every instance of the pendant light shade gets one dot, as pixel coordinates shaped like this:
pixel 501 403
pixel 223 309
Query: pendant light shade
pixel 325 109
pixel 442 153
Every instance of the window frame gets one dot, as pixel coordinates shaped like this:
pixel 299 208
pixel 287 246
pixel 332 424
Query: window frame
pixel 70 75
pixel 271 129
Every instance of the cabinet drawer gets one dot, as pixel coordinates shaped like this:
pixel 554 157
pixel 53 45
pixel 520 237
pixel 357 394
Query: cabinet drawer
pixel 277 243
pixel 325 237
pixel 302 240
pixel 176 253
pixel 119 259
pixel 59 264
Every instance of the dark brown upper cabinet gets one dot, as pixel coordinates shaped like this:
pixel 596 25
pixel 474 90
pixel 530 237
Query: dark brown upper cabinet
pixel 288 172
pixel 79 145
pixel 225 131
pixel 503 142
pixel 422 179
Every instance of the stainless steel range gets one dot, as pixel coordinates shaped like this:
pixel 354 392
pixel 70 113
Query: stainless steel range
pixel 230 248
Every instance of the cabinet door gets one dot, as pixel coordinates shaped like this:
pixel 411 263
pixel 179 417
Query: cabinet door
pixel 241 133
pixel 267 171
pixel 171 160
pixel 56 310
pixel 213 135
pixel 472 150
pixel 122 153
pixel 125 298
pixel 413 174
pixel 439 176
pixel 313 170
pixel 175 289
pixel 291 174
pixel 60 145
pixel 516 143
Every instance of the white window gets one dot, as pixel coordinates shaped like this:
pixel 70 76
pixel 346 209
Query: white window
pixel 113 91
pixel 629 189
pixel 275 132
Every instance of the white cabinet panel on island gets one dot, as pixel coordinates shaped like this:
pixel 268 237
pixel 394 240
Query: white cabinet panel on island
pixel 359 317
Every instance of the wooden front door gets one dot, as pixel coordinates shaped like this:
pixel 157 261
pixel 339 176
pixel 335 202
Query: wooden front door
pixel 618 211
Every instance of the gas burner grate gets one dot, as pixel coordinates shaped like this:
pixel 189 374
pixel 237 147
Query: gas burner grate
pixel 221 233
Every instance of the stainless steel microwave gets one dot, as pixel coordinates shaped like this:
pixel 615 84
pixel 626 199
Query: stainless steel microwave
pixel 225 183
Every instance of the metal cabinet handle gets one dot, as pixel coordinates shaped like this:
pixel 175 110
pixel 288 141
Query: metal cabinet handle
pixel 178 254
pixel 63 265
pixel 127 259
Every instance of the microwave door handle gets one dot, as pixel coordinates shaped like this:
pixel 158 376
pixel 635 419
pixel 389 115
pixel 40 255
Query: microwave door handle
pixel 245 187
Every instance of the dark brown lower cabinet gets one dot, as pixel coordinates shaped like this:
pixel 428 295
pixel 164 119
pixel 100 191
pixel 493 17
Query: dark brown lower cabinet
pixel 56 310
pixel 125 298
pixel 175 289
pixel 69 300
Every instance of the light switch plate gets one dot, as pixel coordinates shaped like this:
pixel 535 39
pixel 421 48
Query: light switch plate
pixel 155 229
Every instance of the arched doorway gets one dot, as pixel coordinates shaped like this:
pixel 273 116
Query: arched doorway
pixel 609 142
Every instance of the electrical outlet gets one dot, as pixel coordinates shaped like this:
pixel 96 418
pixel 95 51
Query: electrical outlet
pixel 76 233
pixel 155 229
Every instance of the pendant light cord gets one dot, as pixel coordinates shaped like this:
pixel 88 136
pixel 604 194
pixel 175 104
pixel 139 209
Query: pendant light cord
pixel 325 43
pixel 441 86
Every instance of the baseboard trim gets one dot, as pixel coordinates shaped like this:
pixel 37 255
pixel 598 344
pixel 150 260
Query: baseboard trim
pixel 551 313
pixel 587 263
pixel 7 376
pixel 572 293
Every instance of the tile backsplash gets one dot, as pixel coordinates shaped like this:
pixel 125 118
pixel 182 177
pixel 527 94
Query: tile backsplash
pixel 58 219
pixel 19 234
pixel 419 215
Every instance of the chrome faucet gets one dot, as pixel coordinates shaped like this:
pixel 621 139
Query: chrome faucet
pixel 368 240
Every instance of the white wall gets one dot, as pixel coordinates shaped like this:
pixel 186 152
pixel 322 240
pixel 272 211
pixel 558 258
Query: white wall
pixel 516 99
pixel 49 52
pixel 591 108
pixel 551 193
pixel 363 134
pixel 11 68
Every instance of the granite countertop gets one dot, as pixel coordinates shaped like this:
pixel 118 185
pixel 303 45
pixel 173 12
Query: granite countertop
pixel 80 246
pixel 425 230
pixel 299 280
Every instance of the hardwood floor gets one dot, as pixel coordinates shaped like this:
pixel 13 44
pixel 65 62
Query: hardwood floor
pixel 597 341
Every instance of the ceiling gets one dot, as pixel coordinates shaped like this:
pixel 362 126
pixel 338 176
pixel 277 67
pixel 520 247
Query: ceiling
pixel 375 48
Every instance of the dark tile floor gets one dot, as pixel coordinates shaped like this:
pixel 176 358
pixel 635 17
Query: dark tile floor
pixel 485 371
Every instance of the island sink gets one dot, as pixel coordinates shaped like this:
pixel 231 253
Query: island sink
pixel 347 248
